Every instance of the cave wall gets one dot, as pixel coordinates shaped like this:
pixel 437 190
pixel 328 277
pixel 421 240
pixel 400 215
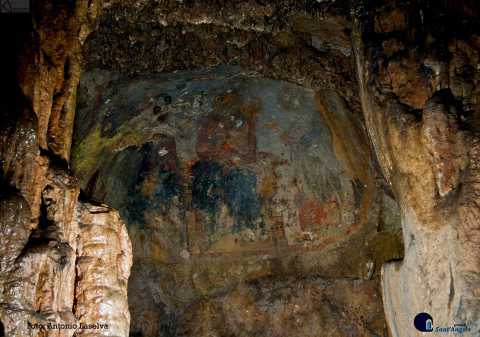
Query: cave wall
pixel 228 182
pixel 417 68
pixel 418 75
pixel 55 268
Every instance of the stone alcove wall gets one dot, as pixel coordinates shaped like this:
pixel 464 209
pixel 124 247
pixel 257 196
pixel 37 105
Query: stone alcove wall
pixel 234 187
pixel 232 143
pixel 418 74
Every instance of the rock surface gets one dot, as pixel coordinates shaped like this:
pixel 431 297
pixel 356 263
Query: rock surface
pixel 419 90
pixel 70 270
pixel 103 267
pixel 226 178
pixel 308 307
pixel 257 211
pixel 303 42
pixel 48 247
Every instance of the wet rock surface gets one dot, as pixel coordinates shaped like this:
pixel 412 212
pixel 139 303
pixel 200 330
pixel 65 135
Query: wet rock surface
pixel 307 43
pixel 255 206
pixel 225 178
pixel 104 259
pixel 418 84
pixel 303 307
pixel 58 272
pixel 47 257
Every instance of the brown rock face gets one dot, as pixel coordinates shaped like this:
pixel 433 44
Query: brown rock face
pixel 272 308
pixel 229 136
pixel 50 68
pixel 229 180
pixel 420 104
pixel 63 271
pixel 58 275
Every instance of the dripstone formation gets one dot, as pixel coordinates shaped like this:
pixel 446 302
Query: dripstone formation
pixel 240 168
pixel 63 261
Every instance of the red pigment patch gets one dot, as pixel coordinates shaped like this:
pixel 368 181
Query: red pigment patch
pixel 311 213
pixel 219 138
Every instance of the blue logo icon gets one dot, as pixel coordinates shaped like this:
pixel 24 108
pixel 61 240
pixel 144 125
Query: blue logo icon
pixel 423 322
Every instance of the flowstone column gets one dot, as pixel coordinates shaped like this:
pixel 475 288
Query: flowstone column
pixel 419 93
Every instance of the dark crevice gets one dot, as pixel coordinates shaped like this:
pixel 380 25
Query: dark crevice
pixel 416 113
pixel 92 182
pixel 451 293
pixel 5 188
pixel 56 162
pixel 464 119
pixel 66 70
pixel 397 259
pixel 75 288
pixel 45 232
pixel 87 198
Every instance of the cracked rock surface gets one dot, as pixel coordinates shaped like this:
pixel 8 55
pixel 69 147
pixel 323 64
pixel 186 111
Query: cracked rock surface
pixel 56 271
pixel 300 168
pixel 418 81
pixel 225 179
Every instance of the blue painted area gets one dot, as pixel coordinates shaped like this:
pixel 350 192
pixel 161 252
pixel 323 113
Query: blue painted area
pixel 207 186
pixel 286 129
pixel 241 198
pixel 137 202
pixel 167 188
pixel 130 168
pixel 236 188
pixel 167 178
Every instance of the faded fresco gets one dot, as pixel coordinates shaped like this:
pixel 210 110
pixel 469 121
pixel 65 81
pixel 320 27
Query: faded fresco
pixel 224 176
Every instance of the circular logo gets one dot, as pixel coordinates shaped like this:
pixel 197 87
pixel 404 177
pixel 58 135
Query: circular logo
pixel 423 322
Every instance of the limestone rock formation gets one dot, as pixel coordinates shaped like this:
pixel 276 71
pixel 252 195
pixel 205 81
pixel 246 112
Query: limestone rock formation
pixel 54 266
pixel 302 308
pixel 419 89
pixel 277 166
pixel 66 270
pixel 103 267
pixel 227 178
